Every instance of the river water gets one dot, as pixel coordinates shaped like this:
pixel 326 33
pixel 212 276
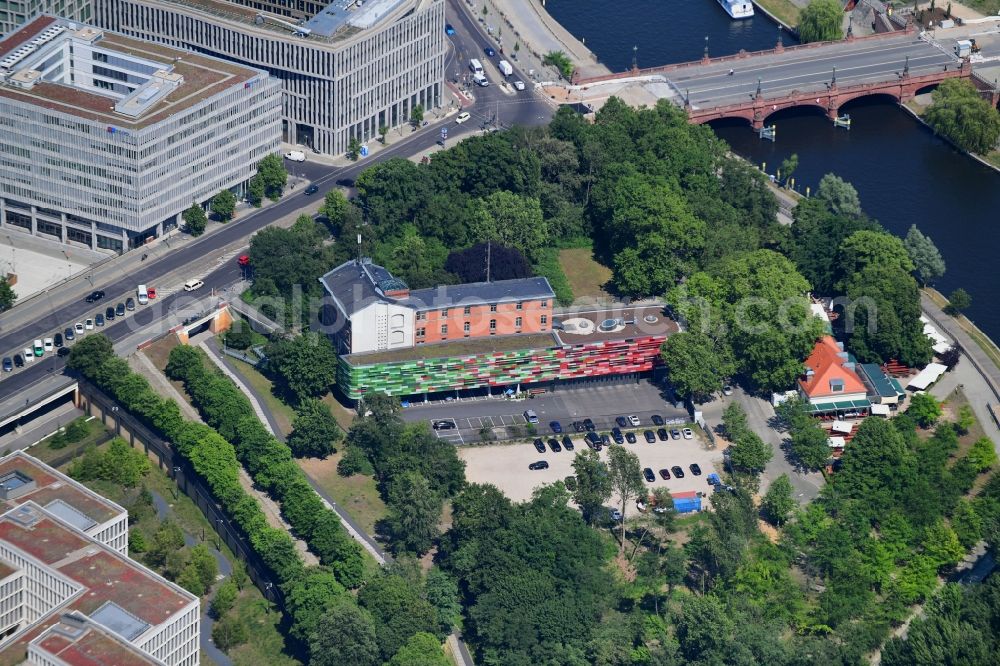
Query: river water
pixel 903 173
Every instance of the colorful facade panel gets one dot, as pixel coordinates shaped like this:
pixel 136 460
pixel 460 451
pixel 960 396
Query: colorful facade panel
pixel 523 366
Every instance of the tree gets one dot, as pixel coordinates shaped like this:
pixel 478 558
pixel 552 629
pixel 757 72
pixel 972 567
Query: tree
pixel 696 366
pixel 195 219
pixel 353 148
pixel 345 634
pixel 750 452
pixel 224 599
pixel 506 263
pixel 335 206
pixel 734 421
pixel 983 455
pixel 382 131
pixel 788 167
pixel 924 409
pixel 966 418
pixel 224 205
pixel 315 432
pixel 958 301
pixel 839 195
pixel 441 590
pixel 417 115
pixel 230 632
pixel 255 191
pixel 810 444
pixel 422 649
pixel 511 220
pixel 778 503
pixel 625 475
pixel 398 610
pixel 821 21
pixel 273 175
pixel 89 354
pixel 204 562
pixel 190 580
pixel 7 294
pixel 593 484
pixel 561 62
pixel 924 254
pixel 963 117
pixel 414 512
pixel 305 366
pixel 941 544
pixel 967 523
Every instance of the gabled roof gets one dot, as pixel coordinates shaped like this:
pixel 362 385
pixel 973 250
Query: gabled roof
pixel 826 365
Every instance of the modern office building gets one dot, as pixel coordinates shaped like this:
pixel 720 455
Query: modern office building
pixel 484 336
pixel 14 13
pixel 67 597
pixel 347 67
pixel 105 139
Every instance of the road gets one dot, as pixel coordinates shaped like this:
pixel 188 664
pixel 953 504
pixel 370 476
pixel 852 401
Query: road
pixel 863 61
pixel 45 315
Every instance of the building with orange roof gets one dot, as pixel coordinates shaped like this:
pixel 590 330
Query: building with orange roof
pixel 831 383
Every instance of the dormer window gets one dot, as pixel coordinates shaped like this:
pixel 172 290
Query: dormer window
pixel 836 385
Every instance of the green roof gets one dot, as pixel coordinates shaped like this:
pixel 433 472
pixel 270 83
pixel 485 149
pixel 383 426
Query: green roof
pixel 873 373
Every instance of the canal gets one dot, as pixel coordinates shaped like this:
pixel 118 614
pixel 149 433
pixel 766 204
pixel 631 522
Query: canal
pixel 903 173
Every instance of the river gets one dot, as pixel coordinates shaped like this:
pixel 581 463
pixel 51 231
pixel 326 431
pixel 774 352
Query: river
pixel 903 173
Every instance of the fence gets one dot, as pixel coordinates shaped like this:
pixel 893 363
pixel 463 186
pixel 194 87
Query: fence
pixel 98 404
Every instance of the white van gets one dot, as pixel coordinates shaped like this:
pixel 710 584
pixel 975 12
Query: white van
pixel 476 66
pixel 480 80
pixel 191 285
pixel 462 117
pixel 295 156
pixel 143 294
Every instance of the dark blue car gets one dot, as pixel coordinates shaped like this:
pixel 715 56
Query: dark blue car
pixel 489 51
pixel 556 427
pixel 448 29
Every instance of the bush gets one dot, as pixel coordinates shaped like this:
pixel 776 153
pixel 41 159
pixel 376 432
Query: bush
pixel 239 335
pixel 136 542
pixel 548 266
pixel 355 462
pixel 225 599
pixel 230 632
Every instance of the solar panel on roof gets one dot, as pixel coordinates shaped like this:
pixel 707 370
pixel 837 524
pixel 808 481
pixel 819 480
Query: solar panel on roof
pixel 70 514
pixel 117 619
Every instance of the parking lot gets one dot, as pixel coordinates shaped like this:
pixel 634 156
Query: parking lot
pixel 506 466
pixel 599 402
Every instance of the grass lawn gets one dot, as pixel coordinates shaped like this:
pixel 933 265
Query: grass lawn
pixel 283 414
pixel 344 415
pixel 784 10
pixel 44 451
pixel 356 494
pixel 266 644
pixel 585 275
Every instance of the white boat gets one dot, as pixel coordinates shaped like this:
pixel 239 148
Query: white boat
pixel 738 9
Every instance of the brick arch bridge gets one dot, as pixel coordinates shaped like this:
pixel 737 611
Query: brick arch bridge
pixel 757 110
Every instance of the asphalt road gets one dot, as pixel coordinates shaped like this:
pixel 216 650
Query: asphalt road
pixel 857 62
pixel 524 108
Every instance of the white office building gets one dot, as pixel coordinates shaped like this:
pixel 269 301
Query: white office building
pixel 105 139
pixel 346 67
pixel 14 13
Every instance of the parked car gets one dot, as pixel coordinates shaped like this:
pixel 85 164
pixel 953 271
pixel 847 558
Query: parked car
pixel 605 440
pixel 570 482
pixel 29 355
pixel 567 443
pixel 444 424
pixel 665 474
pixel 615 515
pixel 63 351
pixel 541 464
pixel 48 345
pixel 109 314
pixel 58 340
pixel 539 445
pixel 120 310
pixel 95 296
pixel 99 319
pixel 662 434
pixel 554 445
pixel 633 419
pixel 647 474
pixel 530 416
pixel 19 360
pixel 150 293
pixel 678 472
pixel 78 328
pixel 616 434
pixel 657 419
pixel 69 334
pixel 130 304
pixel 593 440
pixel 714 480
pixel 650 437
pixel 675 433
pixel 622 423
pixel 88 324
pixel 727 390
pixel 630 437
pixel 588 425
pixel 578 426
pixel 688 434
pixel 8 364
pixel 192 285
pixel 695 469
pixel 556 427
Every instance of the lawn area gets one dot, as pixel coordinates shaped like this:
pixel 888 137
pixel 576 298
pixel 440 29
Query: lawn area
pixel 357 494
pixel 585 275
pixel 266 644
pixel 262 386
pixel 45 452
pixel 784 10
pixel 344 415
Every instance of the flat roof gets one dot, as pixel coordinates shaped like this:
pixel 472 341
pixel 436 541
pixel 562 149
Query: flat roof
pixel 628 323
pixel 79 642
pixel 471 293
pixel 464 347
pixel 204 77
pixel 51 486
pixel 106 579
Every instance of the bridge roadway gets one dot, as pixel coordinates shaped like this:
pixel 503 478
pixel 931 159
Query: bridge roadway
pixel 806 69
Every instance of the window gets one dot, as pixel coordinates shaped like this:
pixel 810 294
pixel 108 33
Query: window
pixel 545 319
pixel 444 329
pixel 465 327
pixel 421 316
pixel 468 310
pixel 493 324
pixel 421 332
pixel 517 322
pixel 545 304
pixel 520 305
pixel 493 308
pixel 444 313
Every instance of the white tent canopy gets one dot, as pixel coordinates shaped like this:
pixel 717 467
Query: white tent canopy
pixel 837 442
pixel 842 426
pixel 880 410
pixel 927 376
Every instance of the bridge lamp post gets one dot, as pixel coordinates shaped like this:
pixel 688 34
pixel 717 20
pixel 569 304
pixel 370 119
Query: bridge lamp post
pixel 706 47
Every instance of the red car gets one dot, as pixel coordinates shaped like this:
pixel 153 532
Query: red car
pixel 150 293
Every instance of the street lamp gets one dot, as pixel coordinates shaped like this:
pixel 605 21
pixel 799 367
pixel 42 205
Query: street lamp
pixel 706 47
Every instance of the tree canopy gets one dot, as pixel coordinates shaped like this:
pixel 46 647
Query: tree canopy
pixel 821 21
pixel 962 116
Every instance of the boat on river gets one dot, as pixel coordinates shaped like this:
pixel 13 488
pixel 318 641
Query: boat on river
pixel 737 9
